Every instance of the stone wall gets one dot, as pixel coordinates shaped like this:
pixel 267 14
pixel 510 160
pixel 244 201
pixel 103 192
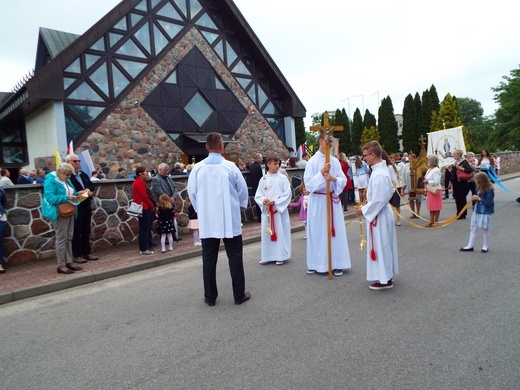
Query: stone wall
pixel 29 237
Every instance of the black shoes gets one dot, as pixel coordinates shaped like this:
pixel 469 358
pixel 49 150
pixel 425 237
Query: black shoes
pixel 208 302
pixel 244 298
pixel 466 249
pixel 484 251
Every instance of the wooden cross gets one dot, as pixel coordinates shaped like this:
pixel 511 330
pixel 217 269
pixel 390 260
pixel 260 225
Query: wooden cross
pixel 327 129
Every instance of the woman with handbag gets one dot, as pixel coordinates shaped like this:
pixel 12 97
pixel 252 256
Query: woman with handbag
pixel 461 173
pixel 432 182
pixel 141 195
pixel 59 205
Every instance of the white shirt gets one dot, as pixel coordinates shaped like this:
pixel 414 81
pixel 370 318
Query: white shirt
pixel 217 191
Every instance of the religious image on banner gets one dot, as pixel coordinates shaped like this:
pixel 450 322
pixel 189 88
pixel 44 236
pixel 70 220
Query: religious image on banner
pixel 442 143
pixel 334 148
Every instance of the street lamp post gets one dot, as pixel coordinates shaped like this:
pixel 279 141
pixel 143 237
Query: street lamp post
pixel 348 106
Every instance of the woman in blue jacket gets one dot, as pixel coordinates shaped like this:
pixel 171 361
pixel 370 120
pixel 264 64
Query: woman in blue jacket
pixel 57 190
pixel 484 207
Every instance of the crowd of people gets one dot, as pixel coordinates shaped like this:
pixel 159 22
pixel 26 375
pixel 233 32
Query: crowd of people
pixel 217 191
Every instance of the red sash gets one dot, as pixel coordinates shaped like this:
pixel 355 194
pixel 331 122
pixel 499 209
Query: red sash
pixel 333 199
pixel 272 212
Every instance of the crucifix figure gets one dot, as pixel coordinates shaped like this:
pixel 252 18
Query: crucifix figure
pixel 322 173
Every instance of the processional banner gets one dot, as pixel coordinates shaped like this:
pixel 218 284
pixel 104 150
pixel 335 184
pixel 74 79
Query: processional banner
pixel 442 143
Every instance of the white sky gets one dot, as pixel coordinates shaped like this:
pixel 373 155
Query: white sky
pixel 343 54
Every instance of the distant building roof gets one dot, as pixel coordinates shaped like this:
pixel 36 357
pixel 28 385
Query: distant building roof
pixel 50 44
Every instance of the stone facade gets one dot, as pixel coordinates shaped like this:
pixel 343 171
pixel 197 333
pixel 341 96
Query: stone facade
pixel 129 137
pixel 29 237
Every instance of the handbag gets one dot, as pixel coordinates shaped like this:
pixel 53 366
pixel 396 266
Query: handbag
pixel 66 210
pixel 134 209
pixel 431 189
pixel 464 176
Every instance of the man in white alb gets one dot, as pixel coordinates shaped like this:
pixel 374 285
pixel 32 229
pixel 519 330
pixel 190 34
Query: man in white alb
pixel 217 191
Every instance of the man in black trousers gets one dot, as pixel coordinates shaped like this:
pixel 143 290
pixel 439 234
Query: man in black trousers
pixel 255 174
pixel 82 225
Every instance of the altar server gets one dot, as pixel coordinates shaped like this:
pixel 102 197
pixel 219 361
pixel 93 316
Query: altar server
pixel 382 262
pixel 273 196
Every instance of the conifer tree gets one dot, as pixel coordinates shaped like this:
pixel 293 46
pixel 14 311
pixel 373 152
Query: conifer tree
pixel 425 114
pixel 387 126
pixel 369 120
pixel 447 116
pixel 369 134
pixel 299 129
pixel 410 126
pixel 341 119
pixel 357 130
pixel 434 99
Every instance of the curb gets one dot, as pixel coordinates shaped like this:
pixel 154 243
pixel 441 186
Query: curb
pixel 91 277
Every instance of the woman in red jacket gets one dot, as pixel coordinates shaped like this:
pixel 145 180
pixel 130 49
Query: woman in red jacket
pixel 141 195
pixel 344 167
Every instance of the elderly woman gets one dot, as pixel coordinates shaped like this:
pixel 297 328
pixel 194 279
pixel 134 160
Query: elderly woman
pixel 58 190
pixel 432 183
pixel 141 195
pixel 460 185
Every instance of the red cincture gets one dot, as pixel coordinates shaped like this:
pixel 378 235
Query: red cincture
pixel 272 212
pixel 332 201
pixel 373 224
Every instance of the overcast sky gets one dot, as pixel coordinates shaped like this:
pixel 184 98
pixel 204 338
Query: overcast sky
pixel 343 54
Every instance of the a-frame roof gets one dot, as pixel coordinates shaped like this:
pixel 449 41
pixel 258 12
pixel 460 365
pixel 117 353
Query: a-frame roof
pixel 50 44
pixel 63 49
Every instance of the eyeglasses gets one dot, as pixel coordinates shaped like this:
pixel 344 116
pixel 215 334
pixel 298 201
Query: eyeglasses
pixel 75 160
pixel 368 154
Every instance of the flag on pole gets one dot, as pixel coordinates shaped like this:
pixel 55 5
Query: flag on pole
pixel 57 156
pixel 302 150
pixel 70 148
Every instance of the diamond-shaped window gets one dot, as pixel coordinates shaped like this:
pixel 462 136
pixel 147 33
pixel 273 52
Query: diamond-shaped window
pixel 198 109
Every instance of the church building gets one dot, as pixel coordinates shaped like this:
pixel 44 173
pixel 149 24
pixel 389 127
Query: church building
pixel 144 85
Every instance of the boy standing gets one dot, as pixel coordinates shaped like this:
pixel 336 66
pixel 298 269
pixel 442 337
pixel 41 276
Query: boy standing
pixel 273 196
pixel 382 241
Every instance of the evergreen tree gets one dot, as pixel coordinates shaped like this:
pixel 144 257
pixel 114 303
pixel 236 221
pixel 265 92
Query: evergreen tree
pixel 369 120
pixel 387 126
pixel 341 119
pixel 418 105
pixel 434 99
pixel 409 125
pixel 447 116
pixel 357 130
pixel 425 114
pixel 369 134
pixel 299 129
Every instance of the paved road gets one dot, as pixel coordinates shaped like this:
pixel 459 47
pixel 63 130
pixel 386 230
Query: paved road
pixel 451 322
